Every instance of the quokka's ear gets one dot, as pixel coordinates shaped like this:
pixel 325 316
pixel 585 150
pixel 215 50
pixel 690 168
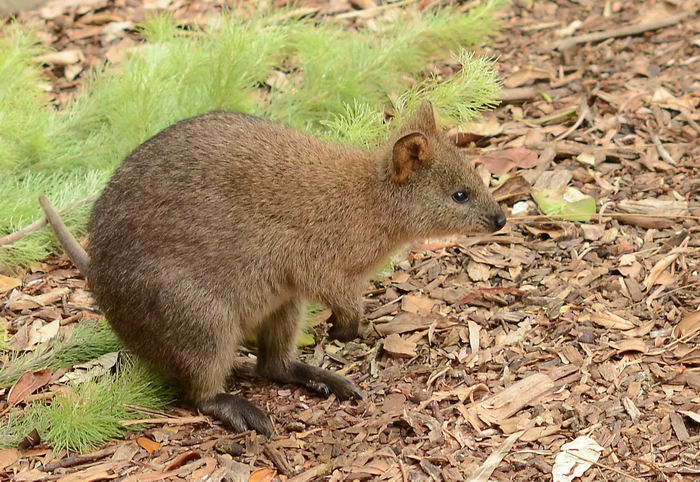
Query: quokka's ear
pixel 410 152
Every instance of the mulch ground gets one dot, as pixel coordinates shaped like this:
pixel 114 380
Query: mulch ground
pixel 482 356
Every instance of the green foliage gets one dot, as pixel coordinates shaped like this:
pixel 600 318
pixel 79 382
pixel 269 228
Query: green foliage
pixel 90 339
pixel 88 414
pixel 332 82
pixel 23 118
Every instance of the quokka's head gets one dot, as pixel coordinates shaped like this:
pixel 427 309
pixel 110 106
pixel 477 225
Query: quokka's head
pixel 439 190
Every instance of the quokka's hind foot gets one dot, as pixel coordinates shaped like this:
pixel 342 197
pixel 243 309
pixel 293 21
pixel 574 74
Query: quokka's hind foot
pixel 237 413
pixel 323 382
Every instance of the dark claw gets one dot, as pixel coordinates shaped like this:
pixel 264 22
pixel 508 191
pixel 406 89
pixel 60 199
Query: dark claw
pixel 238 414
pixel 319 387
pixel 323 382
pixel 357 395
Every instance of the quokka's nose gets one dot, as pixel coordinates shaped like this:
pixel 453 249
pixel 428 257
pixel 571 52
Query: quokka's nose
pixel 499 220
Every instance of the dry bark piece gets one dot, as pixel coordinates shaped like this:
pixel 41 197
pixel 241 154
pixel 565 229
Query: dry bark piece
pixel 619 32
pixel 399 347
pixel 508 402
pixel 679 427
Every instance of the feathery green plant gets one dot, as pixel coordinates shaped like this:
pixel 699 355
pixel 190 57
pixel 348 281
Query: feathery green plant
pixel 334 84
pixel 88 414
pixel 89 340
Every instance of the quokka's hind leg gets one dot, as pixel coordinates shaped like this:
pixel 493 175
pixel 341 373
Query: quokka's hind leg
pixel 277 359
pixel 236 413
pixel 202 369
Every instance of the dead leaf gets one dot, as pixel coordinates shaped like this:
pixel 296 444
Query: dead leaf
pixel 513 188
pixel 27 384
pixel 418 304
pixel 659 268
pixel 394 402
pixel 64 57
pixel 91 369
pixel 397 346
pixel 103 471
pixel 8 457
pixel 631 344
pixel 493 460
pixel 504 161
pixel 478 271
pixel 263 475
pixel 148 444
pixel 692 415
pixel 612 321
pixel 485 128
pixel 209 467
pixel 575 458
pixel 525 76
pixel 181 460
pixel 25 302
pixel 7 283
pixel 689 325
pixel 404 322
pixel 592 232
pixel 641 330
pixel 40 333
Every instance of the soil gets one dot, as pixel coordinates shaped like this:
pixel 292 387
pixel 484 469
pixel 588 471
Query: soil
pixel 482 356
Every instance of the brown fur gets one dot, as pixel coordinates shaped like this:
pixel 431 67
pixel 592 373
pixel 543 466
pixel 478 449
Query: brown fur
pixel 221 226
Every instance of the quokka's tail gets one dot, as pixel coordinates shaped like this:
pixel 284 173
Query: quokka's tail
pixel 75 252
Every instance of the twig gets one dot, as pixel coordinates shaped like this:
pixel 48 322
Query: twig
pixel 690 121
pixel 519 94
pixel 167 420
pixel 484 472
pixel 368 12
pixel 79 459
pixel 147 411
pixel 660 148
pixel 404 475
pixel 38 224
pixel 16 236
pixel 575 148
pixel 311 474
pixel 585 112
pixel 613 469
pixel 619 32
pixel 653 467
pixel 279 460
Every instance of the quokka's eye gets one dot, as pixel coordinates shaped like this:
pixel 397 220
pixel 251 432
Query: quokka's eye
pixel 460 196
